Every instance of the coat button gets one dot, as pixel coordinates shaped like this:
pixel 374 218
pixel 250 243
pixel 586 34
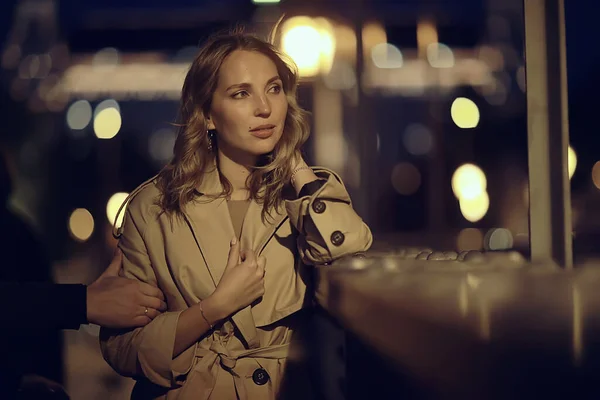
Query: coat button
pixel 337 238
pixel 319 206
pixel 260 376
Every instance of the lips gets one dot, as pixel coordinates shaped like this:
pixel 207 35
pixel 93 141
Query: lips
pixel 263 131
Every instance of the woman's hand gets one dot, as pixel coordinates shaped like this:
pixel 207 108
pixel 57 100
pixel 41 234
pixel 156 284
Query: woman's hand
pixel 241 283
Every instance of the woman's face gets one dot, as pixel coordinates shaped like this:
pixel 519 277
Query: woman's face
pixel 249 106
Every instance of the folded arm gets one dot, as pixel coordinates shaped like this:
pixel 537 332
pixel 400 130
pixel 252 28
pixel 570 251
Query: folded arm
pixel 163 350
pixel 328 225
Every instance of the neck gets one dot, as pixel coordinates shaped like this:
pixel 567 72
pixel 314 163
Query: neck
pixel 236 170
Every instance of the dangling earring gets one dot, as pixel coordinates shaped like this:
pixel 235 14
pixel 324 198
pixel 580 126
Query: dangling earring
pixel 210 137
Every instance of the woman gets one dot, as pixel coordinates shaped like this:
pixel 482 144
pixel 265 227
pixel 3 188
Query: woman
pixel 226 231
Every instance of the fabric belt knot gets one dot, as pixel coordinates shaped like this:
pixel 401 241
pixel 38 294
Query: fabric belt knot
pixel 203 375
pixel 227 361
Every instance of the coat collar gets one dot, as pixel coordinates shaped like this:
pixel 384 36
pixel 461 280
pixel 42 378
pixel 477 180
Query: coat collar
pixel 211 182
pixel 212 220
pixel 211 225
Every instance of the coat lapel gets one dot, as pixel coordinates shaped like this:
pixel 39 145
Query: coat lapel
pixel 256 233
pixel 211 225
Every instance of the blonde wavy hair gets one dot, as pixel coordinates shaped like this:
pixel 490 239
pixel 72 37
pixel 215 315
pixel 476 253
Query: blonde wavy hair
pixel 192 159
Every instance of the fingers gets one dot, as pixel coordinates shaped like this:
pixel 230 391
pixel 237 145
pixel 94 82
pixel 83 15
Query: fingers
pixel 152 291
pixel 249 258
pixel 234 254
pixel 148 312
pixel 141 320
pixel 153 302
pixel 115 265
pixel 262 263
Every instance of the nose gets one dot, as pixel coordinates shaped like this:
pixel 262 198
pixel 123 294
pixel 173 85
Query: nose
pixel 263 107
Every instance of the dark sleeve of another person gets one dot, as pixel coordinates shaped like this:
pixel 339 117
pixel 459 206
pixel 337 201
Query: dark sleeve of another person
pixel 34 307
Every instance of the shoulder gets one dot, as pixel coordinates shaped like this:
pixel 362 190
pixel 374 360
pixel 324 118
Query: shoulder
pixel 143 199
pixel 141 205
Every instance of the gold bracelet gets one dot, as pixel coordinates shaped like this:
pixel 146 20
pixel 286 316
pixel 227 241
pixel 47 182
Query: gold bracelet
pixel 204 316
pixel 294 172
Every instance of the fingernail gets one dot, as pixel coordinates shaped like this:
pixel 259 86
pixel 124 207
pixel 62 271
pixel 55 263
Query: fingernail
pixel 233 241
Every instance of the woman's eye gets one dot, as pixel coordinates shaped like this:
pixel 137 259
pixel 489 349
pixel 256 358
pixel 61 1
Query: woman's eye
pixel 240 95
pixel 276 89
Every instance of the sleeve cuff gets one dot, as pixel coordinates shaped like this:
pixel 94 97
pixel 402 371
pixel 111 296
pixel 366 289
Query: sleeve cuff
pixel 311 188
pixel 328 186
pixel 156 352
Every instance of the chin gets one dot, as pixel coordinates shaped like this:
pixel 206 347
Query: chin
pixel 263 147
pixel 260 150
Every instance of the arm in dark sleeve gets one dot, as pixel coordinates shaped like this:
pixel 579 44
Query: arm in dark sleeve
pixel 31 307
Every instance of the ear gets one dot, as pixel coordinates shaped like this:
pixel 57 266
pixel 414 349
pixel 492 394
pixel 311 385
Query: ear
pixel 210 125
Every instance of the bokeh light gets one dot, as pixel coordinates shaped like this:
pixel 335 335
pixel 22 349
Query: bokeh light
pixel 596 174
pixel 474 209
pixel 160 145
pixel 341 77
pixel 571 161
pixel 107 57
pixel 107 123
pixel 386 56
pixel 418 139
pixel 373 33
pixel 81 224
pixel 108 103
pixel 493 57
pixel 345 43
pixel 406 178
pixel 440 55
pixel 427 34
pixel 112 208
pixel 465 113
pixel 310 43
pixel 79 115
pixel 468 182
pixel 498 239
pixel 469 239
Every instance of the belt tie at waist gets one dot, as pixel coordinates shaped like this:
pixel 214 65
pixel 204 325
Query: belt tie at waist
pixel 203 376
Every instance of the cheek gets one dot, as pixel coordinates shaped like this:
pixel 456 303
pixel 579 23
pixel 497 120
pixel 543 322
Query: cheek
pixel 228 121
pixel 282 107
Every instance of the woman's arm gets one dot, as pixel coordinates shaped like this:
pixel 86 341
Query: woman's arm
pixel 163 351
pixel 192 325
pixel 323 214
pixel 147 351
pixel 241 284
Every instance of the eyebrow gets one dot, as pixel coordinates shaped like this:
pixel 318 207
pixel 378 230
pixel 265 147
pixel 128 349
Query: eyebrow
pixel 245 85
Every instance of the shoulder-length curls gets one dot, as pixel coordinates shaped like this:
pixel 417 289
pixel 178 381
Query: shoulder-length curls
pixel 192 158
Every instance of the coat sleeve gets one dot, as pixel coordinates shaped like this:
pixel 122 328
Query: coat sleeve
pixel 147 351
pixel 328 225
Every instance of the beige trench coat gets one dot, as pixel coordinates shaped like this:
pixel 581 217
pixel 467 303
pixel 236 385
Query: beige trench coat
pixel 185 258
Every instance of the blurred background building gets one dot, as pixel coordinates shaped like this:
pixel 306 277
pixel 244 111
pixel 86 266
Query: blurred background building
pixel 419 105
